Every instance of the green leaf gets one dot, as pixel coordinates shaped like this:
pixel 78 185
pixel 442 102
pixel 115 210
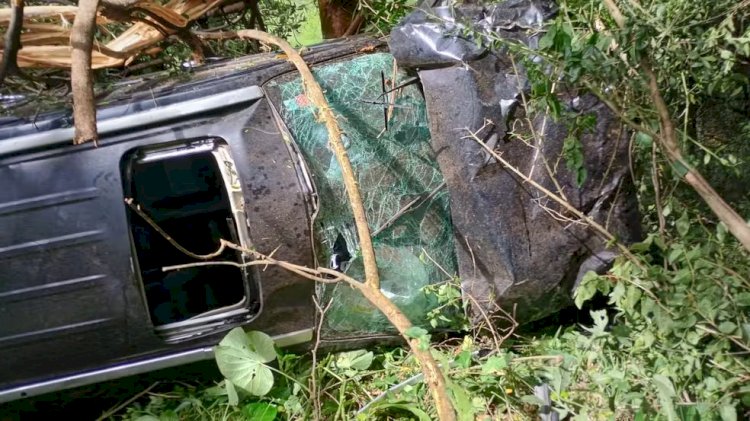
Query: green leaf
pixel 683 224
pixel 725 54
pixel 415 332
pixel 600 322
pixel 461 401
pixel 245 369
pixel 260 411
pixel 147 418
pixel 234 399
pixel 241 357
pixel 743 299
pixel 549 38
pixel 574 159
pixel 357 360
pixel 169 416
pixel 464 359
pixel 727 327
pixel 256 342
pixel 666 392
pixel 586 289
pixel 728 413
pixel 643 140
pixel 745 332
pixel 494 364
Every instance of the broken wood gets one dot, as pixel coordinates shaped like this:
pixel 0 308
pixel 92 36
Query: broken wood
pixel 153 24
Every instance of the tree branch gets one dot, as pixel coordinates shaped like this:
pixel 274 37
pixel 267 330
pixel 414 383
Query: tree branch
pixel 315 94
pixel 12 41
pixel 668 143
pixel 81 80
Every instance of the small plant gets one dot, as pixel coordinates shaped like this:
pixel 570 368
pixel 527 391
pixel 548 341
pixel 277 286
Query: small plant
pixel 242 359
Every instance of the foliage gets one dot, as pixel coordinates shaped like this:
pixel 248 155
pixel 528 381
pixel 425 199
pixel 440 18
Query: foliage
pixel 675 341
pixel 382 15
pixel 700 53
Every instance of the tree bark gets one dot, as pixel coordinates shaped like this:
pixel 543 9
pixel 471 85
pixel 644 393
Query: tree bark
pixel 9 65
pixel 336 17
pixel 81 75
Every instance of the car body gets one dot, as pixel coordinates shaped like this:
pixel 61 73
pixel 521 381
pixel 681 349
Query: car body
pixel 206 154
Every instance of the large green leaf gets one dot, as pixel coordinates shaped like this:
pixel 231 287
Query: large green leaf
pixel 257 342
pixel 241 357
pixel 245 369
pixel 358 360
pixel 461 401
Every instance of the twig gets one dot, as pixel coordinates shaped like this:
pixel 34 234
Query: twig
pixel 129 201
pixel 442 269
pixel 538 139
pixel 81 80
pixel 354 25
pixel 313 381
pixel 486 318
pixel 407 208
pixel 657 193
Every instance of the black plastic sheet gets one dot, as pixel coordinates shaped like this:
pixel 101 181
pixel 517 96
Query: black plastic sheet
pixel 515 248
pixel 441 34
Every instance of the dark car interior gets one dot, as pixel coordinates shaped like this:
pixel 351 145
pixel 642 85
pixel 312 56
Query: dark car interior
pixel 184 194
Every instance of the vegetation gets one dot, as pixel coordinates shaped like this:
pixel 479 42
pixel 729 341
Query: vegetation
pixel 668 329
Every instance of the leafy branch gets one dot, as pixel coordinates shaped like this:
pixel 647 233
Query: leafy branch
pixel 668 142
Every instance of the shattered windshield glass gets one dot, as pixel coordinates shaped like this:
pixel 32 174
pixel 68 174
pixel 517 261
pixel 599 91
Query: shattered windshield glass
pixel 388 141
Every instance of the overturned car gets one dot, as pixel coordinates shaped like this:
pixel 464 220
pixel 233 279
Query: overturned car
pixel 233 150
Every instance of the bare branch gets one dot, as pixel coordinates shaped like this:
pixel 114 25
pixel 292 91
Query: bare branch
pixel 313 372
pixel 12 41
pixel 315 94
pixel 81 80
